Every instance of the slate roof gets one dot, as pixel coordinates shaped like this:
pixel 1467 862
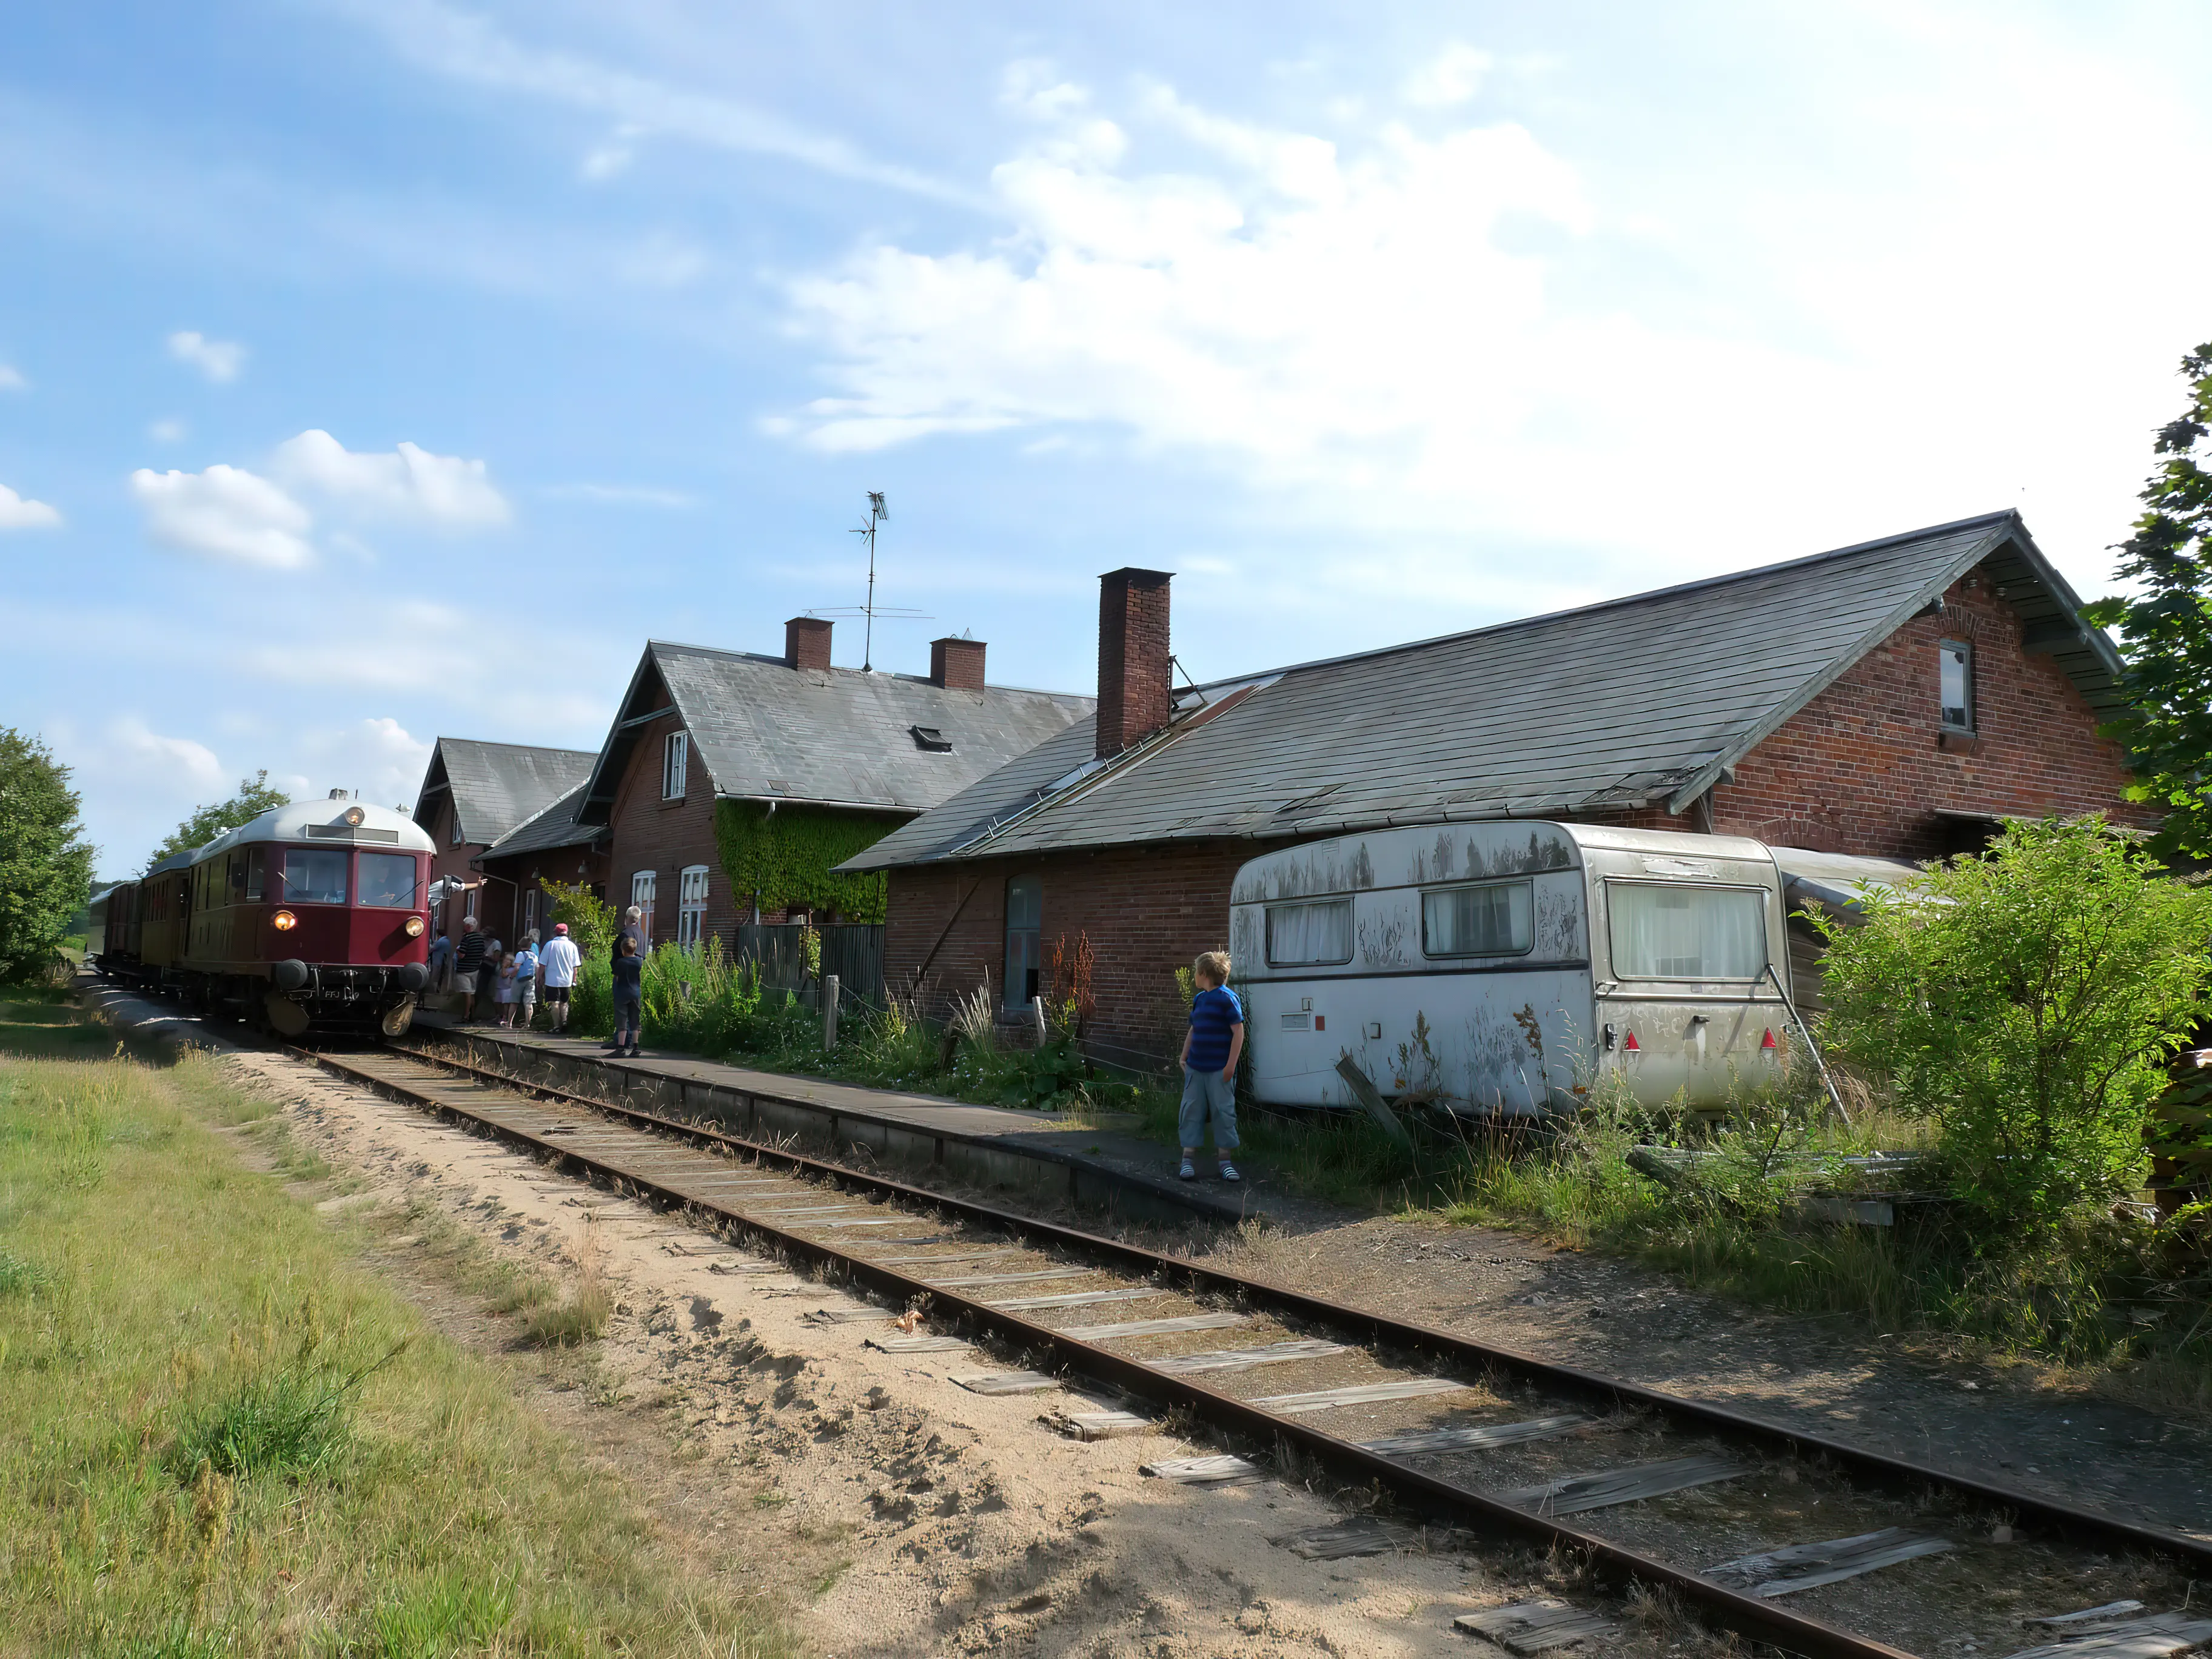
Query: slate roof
pixel 550 827
pixel 496 786
pixel 840 737
pixel 1644 700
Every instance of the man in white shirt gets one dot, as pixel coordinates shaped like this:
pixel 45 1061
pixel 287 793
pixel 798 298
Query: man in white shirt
pixel 559 962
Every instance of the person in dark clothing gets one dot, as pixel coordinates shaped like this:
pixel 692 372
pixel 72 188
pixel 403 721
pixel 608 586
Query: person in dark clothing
pixel 629 997
pixel 468 963
pixel 629 936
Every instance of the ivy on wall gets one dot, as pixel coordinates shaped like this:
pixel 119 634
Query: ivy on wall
pixel 789 857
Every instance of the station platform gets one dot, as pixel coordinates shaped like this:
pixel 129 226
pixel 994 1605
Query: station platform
pixel 1091 1161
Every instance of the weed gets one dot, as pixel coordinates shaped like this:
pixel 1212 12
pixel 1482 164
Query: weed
pixel 293 1420
pixel 582 1316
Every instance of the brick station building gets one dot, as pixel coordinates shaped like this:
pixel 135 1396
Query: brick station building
pixel 702 732
pixel 476 795
pixel 1892 699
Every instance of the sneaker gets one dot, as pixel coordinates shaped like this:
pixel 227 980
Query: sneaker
pixel 1229 1173
pixel 1187 1172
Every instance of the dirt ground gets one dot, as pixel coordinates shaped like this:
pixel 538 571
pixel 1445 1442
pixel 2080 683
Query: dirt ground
pixel 882 1509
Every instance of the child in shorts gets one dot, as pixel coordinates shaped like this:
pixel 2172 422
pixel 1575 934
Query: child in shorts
pixel 503 991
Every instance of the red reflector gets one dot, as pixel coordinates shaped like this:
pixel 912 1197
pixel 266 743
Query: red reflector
pixel 1767 1041
pixel 1631 1045
pixel 1321 1022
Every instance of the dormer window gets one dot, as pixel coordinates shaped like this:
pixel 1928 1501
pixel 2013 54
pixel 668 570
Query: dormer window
pixel 929 738
pixel 1955 684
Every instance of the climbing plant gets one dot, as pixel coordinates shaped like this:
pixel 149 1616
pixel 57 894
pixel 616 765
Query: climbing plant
pixel 787 858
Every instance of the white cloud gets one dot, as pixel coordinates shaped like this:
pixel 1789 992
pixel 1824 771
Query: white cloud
pixel 22 512
pixel 226 512
pixel 168 431
pixel 377 755
pixel 133 746
pixel 1452 76
pixel 219 359
pixel 623 495
pixel 11 379
pixel 408 484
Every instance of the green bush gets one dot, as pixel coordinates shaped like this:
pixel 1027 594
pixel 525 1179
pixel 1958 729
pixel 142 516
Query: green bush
pixel 2026 1000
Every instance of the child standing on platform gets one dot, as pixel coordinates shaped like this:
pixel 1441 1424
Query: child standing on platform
pixel 1210 1052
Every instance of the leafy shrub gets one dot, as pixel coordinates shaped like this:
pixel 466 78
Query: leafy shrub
pixel 2026 1000
pixel 695 998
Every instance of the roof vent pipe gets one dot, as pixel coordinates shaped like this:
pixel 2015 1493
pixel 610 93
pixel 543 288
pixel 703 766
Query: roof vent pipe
pixel 1135 695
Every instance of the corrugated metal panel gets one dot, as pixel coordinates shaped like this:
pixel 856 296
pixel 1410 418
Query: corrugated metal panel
pixel 1606 706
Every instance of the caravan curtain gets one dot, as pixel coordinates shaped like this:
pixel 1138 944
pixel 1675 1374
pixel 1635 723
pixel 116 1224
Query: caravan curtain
pixel 1476 921
pixel 1300 935
pixel 1663 931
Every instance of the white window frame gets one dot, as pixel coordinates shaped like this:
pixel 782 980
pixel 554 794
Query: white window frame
pixel 529 910
pixel 691 905
pixel 642 885
pixel 1965 650
pixel 674 765
pixel 454 808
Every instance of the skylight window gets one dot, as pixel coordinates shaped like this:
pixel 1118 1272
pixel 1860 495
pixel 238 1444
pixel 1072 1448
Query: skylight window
pixel 929 738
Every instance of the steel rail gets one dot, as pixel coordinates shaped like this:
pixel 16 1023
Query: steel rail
pixel 1878 1469
pixel 1748 1616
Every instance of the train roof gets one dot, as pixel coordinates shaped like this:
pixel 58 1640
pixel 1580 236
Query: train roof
pixel 320 822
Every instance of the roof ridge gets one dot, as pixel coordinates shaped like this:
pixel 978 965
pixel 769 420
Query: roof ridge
pixel 1596 605
pixel 869 673
pixel 494 743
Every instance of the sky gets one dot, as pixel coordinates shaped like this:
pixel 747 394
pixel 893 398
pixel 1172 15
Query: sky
pixel 371 370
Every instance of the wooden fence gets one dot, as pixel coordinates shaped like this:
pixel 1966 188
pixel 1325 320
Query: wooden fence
pixel 852 951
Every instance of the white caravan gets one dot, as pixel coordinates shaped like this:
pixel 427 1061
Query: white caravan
pixel 1502 968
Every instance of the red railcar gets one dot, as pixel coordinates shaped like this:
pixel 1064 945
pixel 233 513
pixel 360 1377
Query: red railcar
pixel 312 916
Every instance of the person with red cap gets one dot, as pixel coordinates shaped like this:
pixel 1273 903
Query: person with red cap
pixel 559 962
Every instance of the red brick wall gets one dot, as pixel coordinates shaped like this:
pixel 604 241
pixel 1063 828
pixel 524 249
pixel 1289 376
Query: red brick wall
pixel 447 860
pixel 1147 910
pixel 1135 693
pixel 648 833
pixel 1860 769
pixel 513 877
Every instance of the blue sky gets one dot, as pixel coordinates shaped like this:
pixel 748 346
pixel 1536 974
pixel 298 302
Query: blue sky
pixel 372 371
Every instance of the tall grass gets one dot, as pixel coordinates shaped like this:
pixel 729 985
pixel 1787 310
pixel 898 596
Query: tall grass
pixel 219 1437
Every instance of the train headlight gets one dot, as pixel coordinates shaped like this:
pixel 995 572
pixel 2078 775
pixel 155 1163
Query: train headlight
pixel 414 926
pixel 284 922
pixel 354 815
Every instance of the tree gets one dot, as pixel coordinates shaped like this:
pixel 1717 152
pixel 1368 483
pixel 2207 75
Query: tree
pixel 46 866
pixel 2026 1000
pixel 2167 629
pixel 254 797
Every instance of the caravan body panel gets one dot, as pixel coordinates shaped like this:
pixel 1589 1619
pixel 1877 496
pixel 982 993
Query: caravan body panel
pixel 1502 968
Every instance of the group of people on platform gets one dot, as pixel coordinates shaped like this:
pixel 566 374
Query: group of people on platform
pixel 480 968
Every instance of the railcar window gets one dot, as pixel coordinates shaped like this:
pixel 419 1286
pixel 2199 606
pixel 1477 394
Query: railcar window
pixel 1664 930
pixel 257 868
pixel 314 875
pixel 1493 919
pixel 1309 935
pixel 387 880
pixel 238 873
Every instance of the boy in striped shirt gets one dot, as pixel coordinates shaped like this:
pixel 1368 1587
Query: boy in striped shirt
pixel 1210 1051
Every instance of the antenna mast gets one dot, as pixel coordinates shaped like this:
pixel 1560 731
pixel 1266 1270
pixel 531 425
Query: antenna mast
pixel 877 513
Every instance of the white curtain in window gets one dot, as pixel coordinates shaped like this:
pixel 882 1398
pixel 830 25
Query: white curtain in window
pixel 1316 932
pixel 1661 931
pixel 1476 921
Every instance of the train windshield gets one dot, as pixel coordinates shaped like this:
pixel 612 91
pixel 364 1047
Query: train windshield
pixel 387 880
pixel 314 875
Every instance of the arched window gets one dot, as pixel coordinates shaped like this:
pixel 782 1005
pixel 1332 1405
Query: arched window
pixel 1024 922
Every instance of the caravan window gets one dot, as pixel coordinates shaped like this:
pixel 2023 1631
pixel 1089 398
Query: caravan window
pixel 1664 930
pixel 1309 935
pixel 1489 920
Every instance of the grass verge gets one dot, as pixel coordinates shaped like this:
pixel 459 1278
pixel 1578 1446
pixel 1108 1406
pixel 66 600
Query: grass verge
pixel 218 1436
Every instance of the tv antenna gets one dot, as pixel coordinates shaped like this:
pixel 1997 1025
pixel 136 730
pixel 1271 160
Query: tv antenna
pixel 877 513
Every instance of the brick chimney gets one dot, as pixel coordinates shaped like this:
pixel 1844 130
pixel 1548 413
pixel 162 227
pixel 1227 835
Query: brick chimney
pixel 1134 692
pixel 956 665
pixel 807 642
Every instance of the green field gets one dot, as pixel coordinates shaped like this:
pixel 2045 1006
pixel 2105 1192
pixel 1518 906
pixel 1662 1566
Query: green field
pixel 220 1435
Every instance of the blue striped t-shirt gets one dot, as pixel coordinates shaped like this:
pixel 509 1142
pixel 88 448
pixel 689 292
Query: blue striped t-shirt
pixel 1212 1014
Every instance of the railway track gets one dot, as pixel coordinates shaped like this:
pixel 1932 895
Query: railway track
pixel 1451 1432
